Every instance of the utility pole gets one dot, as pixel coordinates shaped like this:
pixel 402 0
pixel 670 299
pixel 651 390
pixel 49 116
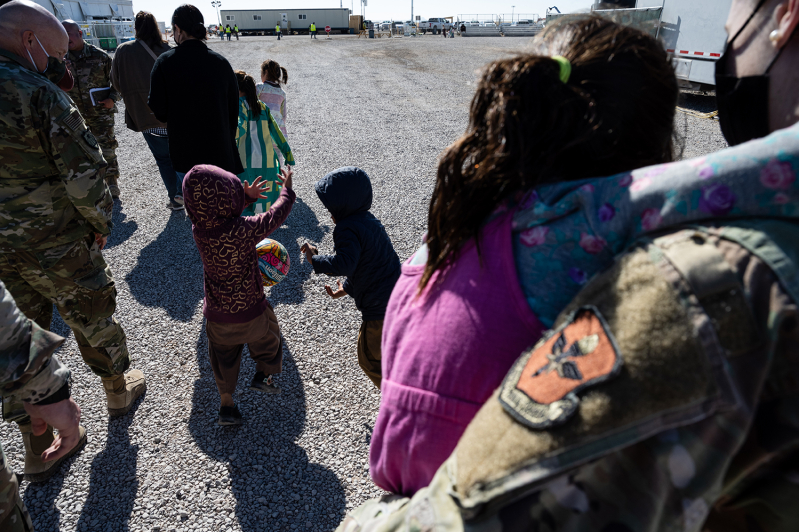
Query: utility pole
pixel 217 4
pixel 512 11
pixel 411 11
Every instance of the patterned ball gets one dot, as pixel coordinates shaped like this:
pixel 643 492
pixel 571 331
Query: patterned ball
pixel 273 261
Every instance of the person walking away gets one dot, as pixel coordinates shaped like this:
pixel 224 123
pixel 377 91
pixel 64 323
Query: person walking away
pixel 31 375
pixel 130 75
pixel 363 254
pixel 227 31
pixel 258 139
pixel 277 30
pixel 313 30
pixel 235 308
pixel 271 92
pixel 56 212
pixel 91 69
pixel 236 31
pixel 176 100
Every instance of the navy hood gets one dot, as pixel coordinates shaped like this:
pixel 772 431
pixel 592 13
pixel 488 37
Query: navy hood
pixel 345 192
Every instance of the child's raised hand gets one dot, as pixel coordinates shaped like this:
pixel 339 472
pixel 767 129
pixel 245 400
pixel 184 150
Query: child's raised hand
pixel 309 251
pixel 255 191
pixel 338 293
pixel 285 177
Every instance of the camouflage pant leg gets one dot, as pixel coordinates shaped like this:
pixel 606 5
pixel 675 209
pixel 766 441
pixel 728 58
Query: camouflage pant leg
pixel 102 128
pixel 78 281
pixel 13 514
pixel 33 304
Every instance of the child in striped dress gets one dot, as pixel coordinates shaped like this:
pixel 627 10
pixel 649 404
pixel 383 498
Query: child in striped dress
pixel 258 138
pixel 272 94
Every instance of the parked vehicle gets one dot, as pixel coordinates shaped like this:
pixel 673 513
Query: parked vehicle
pixel 435 25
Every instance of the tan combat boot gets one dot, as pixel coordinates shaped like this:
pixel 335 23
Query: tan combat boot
pixel 35 469
pixel 123 390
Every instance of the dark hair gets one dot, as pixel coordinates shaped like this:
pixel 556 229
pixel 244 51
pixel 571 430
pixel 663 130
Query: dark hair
pixel 528 128
pixel 147 29
pixel 190 19
pixel 247 86
pixel 273 72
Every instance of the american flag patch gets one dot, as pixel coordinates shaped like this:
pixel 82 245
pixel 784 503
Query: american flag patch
pixel 74 120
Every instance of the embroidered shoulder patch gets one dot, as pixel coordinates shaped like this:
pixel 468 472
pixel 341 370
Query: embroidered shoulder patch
pixel 90 139
pixel 74 120
pixel 540 391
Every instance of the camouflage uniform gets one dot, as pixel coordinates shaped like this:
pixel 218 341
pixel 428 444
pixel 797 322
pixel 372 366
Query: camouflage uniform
pixel 53 200
pixel 665 399
pixel 28 372
pixel 91 68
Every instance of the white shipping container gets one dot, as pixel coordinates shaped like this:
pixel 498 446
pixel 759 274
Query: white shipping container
pixel 290 19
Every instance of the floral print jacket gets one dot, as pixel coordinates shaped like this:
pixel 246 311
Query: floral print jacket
pixel 565 233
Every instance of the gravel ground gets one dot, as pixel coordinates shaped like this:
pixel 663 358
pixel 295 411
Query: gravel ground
pixel 300 460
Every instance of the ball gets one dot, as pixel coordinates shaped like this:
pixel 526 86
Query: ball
pixel 273 261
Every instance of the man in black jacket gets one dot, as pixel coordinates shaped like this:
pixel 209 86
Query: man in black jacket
pixel 363 253
pixel 192 88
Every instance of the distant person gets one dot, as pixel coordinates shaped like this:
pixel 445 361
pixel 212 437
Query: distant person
pixel 130 75
pixel 270 91
pixel 227 31
pixel 236 31
pixel 258 138
pixel 91 68
pixel 313 30
pixel 363 253
pixel 194 91
pixel 277 31
pixel 235 308
pixel 463 28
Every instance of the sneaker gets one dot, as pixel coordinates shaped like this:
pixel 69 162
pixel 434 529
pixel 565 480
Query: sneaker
pixel 264 383
pixel 229 415
pixel 179 199
pixel 175 206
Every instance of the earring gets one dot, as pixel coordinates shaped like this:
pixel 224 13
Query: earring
pixel 775 36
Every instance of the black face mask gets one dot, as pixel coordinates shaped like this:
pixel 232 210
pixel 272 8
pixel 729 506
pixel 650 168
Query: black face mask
pixel 743 101
pixel 55 69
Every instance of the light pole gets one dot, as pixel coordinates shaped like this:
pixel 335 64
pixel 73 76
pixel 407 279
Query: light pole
pixel 217 4
pixel 512 10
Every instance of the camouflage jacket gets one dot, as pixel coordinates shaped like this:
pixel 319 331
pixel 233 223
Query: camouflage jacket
pixel 52 190
pixel 666 398
pixel 91 68
pixel 28 371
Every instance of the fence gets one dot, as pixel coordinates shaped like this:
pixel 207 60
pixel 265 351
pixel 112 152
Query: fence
pixel 643 18
pixel 107 34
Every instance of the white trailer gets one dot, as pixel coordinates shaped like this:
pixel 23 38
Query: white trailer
pixel 264 20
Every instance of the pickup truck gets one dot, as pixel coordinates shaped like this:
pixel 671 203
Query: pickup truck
pixel 434 25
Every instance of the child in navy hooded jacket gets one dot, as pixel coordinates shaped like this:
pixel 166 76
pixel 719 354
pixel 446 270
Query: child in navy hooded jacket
pixel 363 254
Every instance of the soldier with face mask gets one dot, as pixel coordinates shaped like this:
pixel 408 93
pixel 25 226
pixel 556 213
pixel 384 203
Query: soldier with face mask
pixel 56 214
pixel 91 69
pixel 665 395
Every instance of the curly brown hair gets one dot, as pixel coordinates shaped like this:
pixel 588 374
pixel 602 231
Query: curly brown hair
pixel 528 128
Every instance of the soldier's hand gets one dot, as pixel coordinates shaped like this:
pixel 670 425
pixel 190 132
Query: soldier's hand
pixel 101 240
pixel 63 416
pixel 108 103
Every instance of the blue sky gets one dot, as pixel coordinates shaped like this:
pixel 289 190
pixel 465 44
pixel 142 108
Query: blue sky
pixel 376 9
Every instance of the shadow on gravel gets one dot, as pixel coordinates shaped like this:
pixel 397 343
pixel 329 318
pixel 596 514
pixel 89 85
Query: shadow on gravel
pixel 122 229
pixel 274 484
pixel 112 481
pixel 302 225
pixel 43 496
pixel 169 273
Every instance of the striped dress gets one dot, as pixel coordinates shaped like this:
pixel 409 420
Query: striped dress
pixel 257 139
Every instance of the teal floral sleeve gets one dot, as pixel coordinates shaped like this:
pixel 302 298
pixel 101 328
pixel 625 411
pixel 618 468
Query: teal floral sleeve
pixel 568 232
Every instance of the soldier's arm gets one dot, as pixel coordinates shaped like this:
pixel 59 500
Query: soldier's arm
pixel 107 66
pixel 28 371
pixel 76 153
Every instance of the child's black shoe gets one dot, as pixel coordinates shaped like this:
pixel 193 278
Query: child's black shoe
pixel 264 383
pixel 229 415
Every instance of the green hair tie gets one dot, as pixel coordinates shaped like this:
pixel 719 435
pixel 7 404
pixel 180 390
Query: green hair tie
pixel 565 67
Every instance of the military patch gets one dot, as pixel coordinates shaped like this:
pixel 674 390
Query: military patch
pixel 74 121
pixel 90 139
pixel 541 389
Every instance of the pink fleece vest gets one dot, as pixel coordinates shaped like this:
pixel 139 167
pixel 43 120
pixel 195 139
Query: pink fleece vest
pixel 444 353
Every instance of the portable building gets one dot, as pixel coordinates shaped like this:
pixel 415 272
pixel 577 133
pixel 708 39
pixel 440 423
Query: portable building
pixel 264 20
